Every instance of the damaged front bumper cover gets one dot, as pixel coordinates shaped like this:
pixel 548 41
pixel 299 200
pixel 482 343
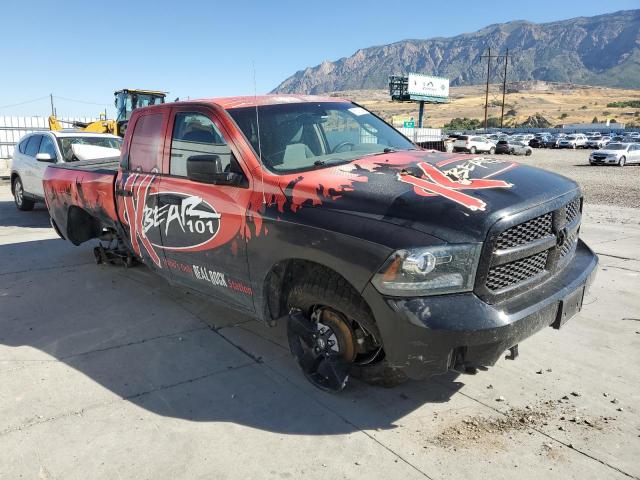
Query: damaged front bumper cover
pixel 426 336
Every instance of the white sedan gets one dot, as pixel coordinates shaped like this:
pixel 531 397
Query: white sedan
pixel 620 154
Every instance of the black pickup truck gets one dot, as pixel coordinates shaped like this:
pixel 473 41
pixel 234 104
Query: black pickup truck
pixel 386 261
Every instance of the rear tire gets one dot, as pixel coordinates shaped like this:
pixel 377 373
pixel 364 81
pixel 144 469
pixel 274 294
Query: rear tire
pixel 322 288
pixel 22 203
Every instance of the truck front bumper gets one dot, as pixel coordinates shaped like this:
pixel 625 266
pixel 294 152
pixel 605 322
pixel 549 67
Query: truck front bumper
pixel 426 336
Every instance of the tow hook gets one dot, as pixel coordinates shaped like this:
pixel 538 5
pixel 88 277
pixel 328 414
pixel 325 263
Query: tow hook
pixel 513 353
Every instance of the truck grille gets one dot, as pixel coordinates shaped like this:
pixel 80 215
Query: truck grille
pixel 525 232
pixel 572 210
pixel 524 255
pixel 513 272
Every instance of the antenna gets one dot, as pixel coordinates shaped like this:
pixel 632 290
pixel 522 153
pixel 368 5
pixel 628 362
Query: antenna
pixel 255 96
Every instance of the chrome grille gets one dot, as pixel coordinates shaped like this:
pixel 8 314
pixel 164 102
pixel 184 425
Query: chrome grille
pixel 514 272
pixel 525 232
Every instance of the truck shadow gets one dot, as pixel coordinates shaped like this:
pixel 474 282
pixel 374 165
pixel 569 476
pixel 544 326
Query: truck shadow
pixel 168 351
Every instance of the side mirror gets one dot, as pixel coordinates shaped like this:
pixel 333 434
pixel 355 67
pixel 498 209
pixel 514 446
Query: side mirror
pixel 208 169
pixel 45 157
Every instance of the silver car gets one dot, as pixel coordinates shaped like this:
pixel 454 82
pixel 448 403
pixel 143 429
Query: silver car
pixel 620 154
pixel 597 142
pixel 520 148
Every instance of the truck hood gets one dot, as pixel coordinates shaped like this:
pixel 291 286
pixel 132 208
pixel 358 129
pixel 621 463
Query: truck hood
pixel 456 198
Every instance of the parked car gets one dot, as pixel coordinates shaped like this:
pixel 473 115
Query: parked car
pixel 473 144
pixel 513 148
pixel 35 151
pixel 539 141
pixel 593 134
pixel 577 140
pixel 378 257
pixel 552 141
pixel 620 154
pixel 520 148
pixel 597 142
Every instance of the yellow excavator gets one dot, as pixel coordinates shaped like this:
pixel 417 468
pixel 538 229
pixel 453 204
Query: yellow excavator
pixel 126 101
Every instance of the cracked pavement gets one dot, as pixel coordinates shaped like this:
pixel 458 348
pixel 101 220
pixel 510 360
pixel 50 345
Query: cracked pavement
pixel 108 372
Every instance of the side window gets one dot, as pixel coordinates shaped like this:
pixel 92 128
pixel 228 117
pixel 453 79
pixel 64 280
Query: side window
pixel 195 134
pixel 47 146
pixel 33 145
pixel 145 150
pixel 23 144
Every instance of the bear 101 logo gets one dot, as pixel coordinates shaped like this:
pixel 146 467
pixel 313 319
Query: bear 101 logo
pixel 177 221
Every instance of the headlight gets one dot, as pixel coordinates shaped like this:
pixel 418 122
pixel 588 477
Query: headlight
pixel 429 271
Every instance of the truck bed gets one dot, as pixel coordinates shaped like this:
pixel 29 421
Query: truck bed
pixel 80 197
pixel 101 165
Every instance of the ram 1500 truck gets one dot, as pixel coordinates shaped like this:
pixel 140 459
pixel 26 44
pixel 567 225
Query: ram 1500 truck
pixel 385 261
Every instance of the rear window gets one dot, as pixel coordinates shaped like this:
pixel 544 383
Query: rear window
pixel 22 145
pixel 146 144
pixel 33 145
pixel 502 142
pixel 463 137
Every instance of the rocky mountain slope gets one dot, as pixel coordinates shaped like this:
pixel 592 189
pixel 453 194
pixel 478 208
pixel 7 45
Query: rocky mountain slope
pixel 601 50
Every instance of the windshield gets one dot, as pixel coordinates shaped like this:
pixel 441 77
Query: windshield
pixel 66 142
pixel 302 136
pixel 126 102
pixel 616 146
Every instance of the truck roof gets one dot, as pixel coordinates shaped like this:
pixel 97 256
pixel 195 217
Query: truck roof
pixel 262 100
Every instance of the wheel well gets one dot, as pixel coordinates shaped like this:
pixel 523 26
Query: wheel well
pixel 81 225
pixel 283 276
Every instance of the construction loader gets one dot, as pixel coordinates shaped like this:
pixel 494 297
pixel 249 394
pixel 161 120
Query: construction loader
pixel 126 101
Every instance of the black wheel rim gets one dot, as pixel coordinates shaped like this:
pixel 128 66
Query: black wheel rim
pixel 312 347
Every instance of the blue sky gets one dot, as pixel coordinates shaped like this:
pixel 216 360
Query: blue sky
pixel 85 50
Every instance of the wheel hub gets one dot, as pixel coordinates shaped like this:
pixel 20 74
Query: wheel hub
pixel 324 345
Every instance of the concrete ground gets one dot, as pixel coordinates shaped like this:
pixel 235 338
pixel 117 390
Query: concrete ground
pixel 109 373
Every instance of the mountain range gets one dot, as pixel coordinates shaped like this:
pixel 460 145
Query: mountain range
pixel 600 50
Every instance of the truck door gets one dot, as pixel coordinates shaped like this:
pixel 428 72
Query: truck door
pixel 137 185
pixel 201 223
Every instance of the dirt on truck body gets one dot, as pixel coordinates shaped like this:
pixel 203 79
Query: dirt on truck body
pixel 386 261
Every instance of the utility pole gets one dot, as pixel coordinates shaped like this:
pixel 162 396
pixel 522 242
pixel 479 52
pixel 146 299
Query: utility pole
pixel 486 96
pixel 53 112
pixel 504 86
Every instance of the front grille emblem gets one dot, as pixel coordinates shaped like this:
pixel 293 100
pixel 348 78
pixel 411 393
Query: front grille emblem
pixel 561 236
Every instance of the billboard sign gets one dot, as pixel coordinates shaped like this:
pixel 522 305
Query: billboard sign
pixel 428 86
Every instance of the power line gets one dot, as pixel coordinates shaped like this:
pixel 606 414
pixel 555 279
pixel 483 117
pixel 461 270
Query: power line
pixel 79 101
pixel 24 103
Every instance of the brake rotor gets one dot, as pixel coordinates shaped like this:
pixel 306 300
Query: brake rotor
pixel 324 345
